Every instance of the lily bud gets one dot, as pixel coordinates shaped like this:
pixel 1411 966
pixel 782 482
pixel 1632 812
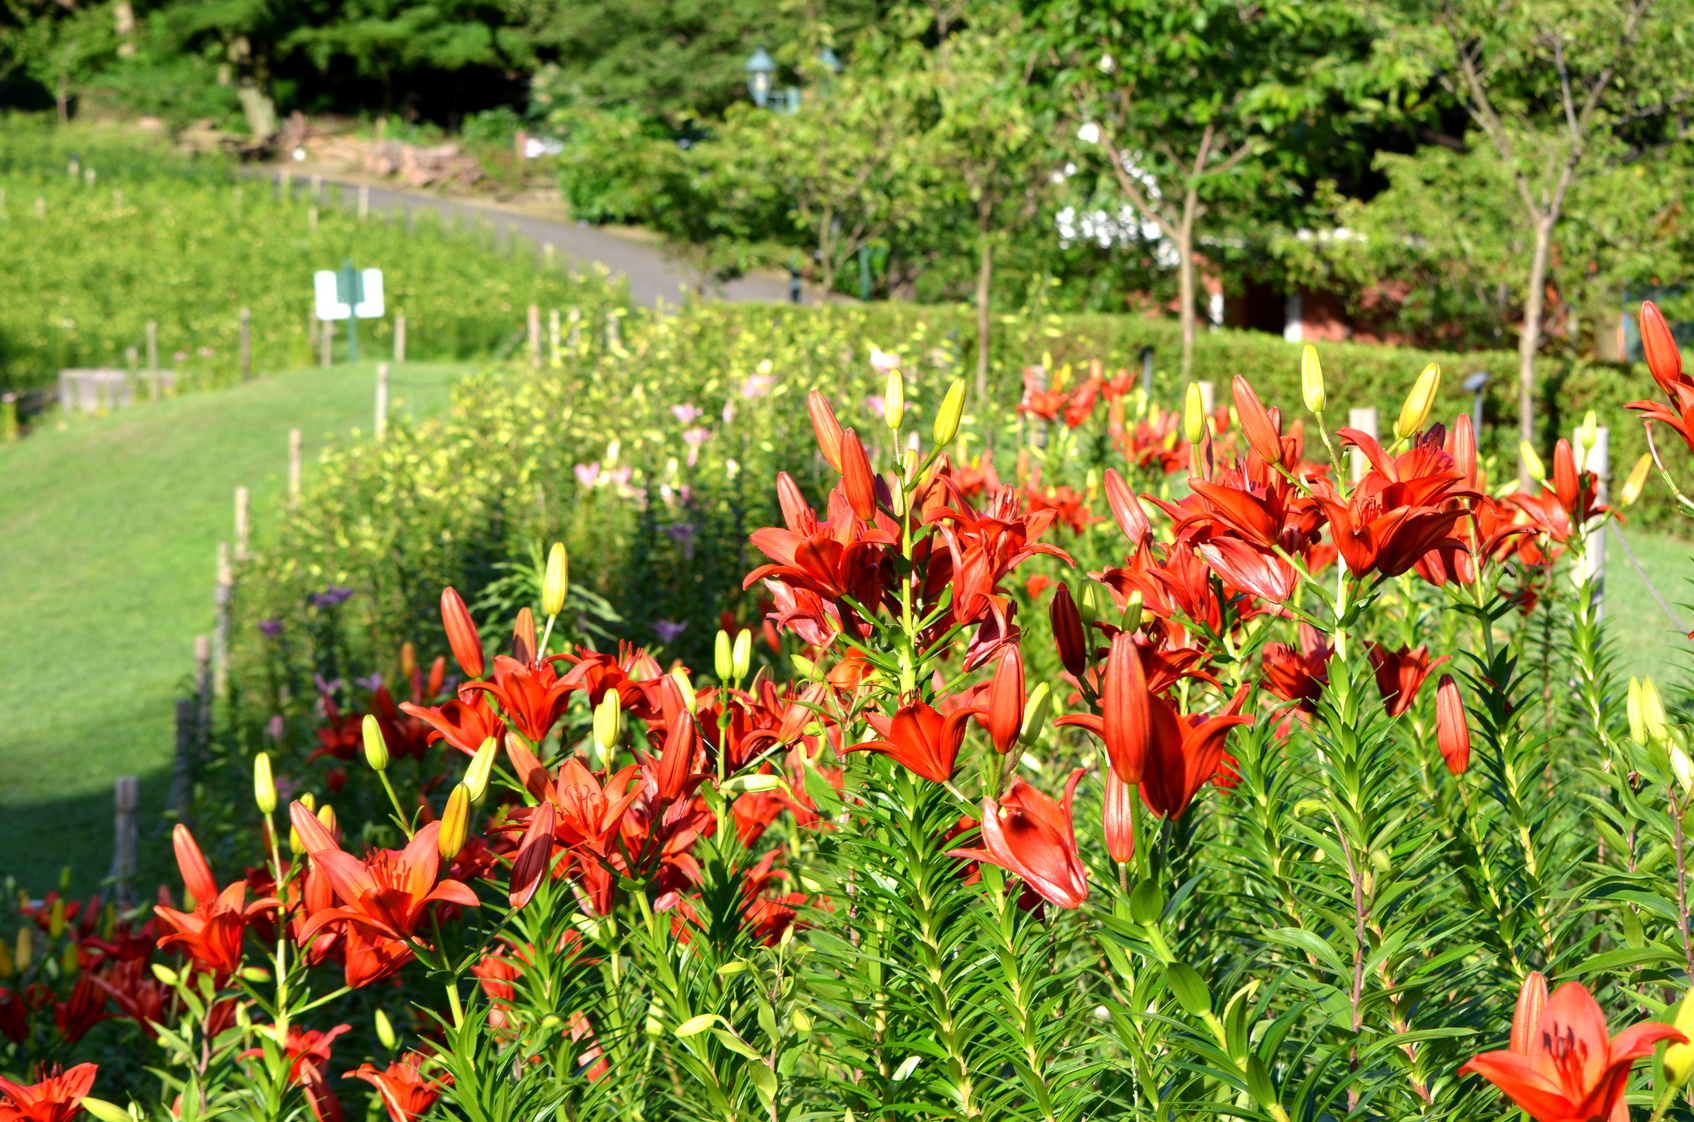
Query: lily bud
pixel 1068 634
pixel 687 688
pixel 1006 701
pixel 1119 817
pixel 376 748
pixel 326 816
pixel 1658 346
pixel 894 399
pixel 1637 481
pixel 264 786
pixel 1035 713
pixel 1193 414
pixel 1526 1017
pixel 68 961
pixel 461 633
pixel 827 428
pixel 722 660
pixel 1652 712
pixel 455 823
pixel 608 724
pixel 25 948
pixel 857 481
pixel 56 919
pixel 948 416
pixel 408 661
pixel 1532 462
pixel 481 766
pixel 1684 768
pixel 385 1031
pixel 1132 611
pixel 556 582
pixel 1587 435
pixel 7 968
pixel 742 655
pixel 1419 402
pixel 1679 1058
pixel 1311 379
pixel 1452 732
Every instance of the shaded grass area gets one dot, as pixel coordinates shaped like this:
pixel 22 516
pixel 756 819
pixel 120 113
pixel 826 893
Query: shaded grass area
pixel 111 530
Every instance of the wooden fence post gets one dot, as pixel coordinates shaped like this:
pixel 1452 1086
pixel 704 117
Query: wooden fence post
pixel 246 344
pixel 312 219
pixel 153 349
pixel 317 188
pixel 220 633
pixel 1365 421
pixel 399 337
pixel 201 720
pixel 547 254
pixel 295 457
pixel 326 328
pixel 126 836
pixel 553 336
pixel 364 201
pixel 182 766
pixel 242 499
pixel 532 324
pixel 574 318
pixel 381 400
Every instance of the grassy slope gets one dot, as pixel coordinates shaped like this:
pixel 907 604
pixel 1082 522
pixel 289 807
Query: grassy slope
pixel 111 527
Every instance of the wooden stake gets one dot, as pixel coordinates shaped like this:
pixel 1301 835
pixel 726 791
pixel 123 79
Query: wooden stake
pixel 547 254
pixel 399 338
pixel 553 336
pixel 220 633
pixel 153 347
pixel 381 400
pixel 312 219
pixel 328 331
pixel 317 188
pixel 126 837
pixel 534 325
pixel 200 723
pixel 1365 421
pixel 296 448
pixel 364 201
pixel 182 767
pixel 246 344
pixel 241 524
pixel 574 318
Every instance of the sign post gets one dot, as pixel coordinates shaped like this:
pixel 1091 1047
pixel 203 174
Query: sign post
pixel 350 294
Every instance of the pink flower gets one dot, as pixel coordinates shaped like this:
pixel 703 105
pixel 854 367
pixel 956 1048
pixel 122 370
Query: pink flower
pixel 696 436
pixel 757 386
pixel 685 413
pixel 876 405
pixel 588 474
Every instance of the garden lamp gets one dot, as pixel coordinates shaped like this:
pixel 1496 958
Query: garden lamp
pixel 1474 384
pixel 760 69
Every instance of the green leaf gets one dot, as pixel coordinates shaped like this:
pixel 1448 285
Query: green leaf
pixel 1189 988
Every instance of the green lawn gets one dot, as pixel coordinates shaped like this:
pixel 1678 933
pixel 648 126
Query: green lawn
pixel 112 527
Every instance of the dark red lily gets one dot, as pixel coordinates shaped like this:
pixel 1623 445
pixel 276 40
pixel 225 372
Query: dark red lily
pixel 1030 835
pixel 1400 674
pixel 1184 753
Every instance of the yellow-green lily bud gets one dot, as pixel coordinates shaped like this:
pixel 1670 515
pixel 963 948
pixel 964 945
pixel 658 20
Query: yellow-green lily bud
pixel 455 823
pixel 894 399
pixel 24 948
pixel 742 656
pixel 556 582
pixel 1532 462
pixel 1311 379
pixel 722 660
pixel 1683 767
pixel 376 748
pixel 680 676
pixel 1035 712
pixel 1679 1058
pixel 1637 481
pixel 608 724
pixel 1587 436
pixel 947 417
pixel 480 768
pixel 385 1031
pixel 1652 711
pixel 1419 402
pixel 1132 612
pixel 264 785
pixel 1193 414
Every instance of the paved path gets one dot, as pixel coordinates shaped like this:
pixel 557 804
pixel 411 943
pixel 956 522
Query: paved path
pixel 651 276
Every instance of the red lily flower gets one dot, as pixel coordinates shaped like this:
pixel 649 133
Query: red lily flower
pixel 1297 676
pixel 461 723
pixel 85 1008
pixel 1029 834
pixel 211 933
pixel 56 1096
pixel 1452 732
pixel 532 695
pixel 1399 510
pixel 1400 674
pixel 1043 403
pixel 1124 723
pixel 14 1016
pixel 406 1092
pixel 986 545
pixel 919 738
pixel 303 1047
pixel 1571 1070
pixel 141 996
pixel 384 897
pixel 325 1106
pixel 1664 362
pixel 1185 752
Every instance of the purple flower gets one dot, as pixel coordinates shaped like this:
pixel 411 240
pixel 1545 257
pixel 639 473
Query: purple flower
pixel 757 386
pixel 274 728
pixel 682 533
pixel 685 414
pixel 325 687
pixel 371 684
pixel 876 405
pixel 588 474
pixel 271 627
pixel 331 596
pixel 668 630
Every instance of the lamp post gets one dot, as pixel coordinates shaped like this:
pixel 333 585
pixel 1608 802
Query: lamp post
pixel 1474 384
pixel 761 69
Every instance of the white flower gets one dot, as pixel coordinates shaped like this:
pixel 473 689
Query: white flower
pixel 1089 133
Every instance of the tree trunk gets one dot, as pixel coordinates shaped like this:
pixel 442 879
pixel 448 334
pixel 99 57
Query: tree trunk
pixel 1185 279
pixel 984 279
pixel 1529 341
pixel 62 97
pixel 826 252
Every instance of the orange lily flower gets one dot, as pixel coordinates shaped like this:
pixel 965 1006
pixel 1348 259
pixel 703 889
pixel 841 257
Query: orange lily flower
pixel 406 1092
pixel 531 695
pixel 55 1097
pixel 1029 834
pixel 919 738
pixel 1569 1068
pixel 1664 362
pixel 211 933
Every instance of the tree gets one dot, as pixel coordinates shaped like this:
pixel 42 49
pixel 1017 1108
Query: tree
pixel 1188 104
pixel 1555 88
pixel 59 44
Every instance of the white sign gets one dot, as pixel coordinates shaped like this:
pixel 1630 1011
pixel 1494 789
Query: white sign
pixel 326 287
